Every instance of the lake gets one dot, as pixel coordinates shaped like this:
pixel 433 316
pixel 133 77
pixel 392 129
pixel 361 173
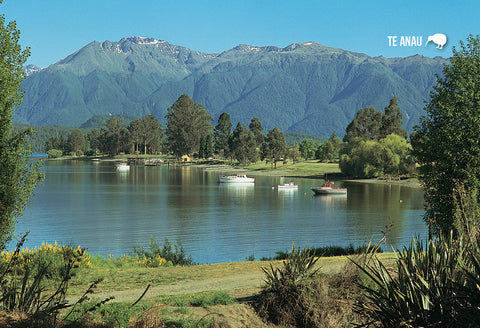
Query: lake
pixel 91 204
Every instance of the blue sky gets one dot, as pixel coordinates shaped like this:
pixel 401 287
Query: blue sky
pixel 56 28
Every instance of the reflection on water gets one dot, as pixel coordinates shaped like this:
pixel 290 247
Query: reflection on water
pixel 107 211
pixel 332 202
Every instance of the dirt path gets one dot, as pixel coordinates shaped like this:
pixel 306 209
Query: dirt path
pixel 237 285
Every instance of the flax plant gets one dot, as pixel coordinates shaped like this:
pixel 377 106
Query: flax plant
pixel 431 285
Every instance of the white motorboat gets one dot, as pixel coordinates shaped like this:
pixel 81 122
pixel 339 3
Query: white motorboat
pixel 122 167
pixel 288 186
pixel 239 178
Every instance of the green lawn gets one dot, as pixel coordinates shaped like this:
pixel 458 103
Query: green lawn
pixel 300 168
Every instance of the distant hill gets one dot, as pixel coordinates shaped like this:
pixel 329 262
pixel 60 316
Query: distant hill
pixel 304 87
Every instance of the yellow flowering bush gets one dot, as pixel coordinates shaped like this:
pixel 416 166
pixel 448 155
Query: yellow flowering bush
pixel 54 255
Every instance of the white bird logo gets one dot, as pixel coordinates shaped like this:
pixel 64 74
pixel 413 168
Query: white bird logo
pixel 439 39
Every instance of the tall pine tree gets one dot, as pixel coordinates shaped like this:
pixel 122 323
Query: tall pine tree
pixel 187 122
pixel 392 120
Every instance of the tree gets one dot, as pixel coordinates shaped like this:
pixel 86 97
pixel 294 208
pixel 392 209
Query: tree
pixel 446 142
pixel 276 145
pixel 243 145
pixel 18 175
pixel 256 127
pixel 76 142
pixel 112 137
pixel 392 120
pixel 364 158
pixel 57 143
pixel 152 133
pixel 366 125
pixel 135 128
pixel 187 121
pixel 332 147
pixel 93 138
pixel 307 148
pixel 294 153
pixel 222 132
pixel 207 146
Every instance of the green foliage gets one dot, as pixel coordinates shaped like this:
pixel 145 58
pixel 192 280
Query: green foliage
pixel 392 120
pixel 289 297
pixel 54 153
pixel 365 125
pixel 242 145
pixel 370 158
pixel 294 154
pixel 431 286
pixel 446 143
pixel 187 122
pixel 276 147
pixel 330 150
pixel 207 146
pixel 256 127
pixel 307 148
pixel 18 175
pixel 326 251
pixel 36 283
pixel 76 143
pixel 112 137
pixel 93 138
pixel 204 299
pixel 172 252
pixel 222 133
pixel 147 132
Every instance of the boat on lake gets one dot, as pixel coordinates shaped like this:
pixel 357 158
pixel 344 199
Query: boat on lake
pixel 239 178
pixel 327 189
pixel 288 186
pixel 122 167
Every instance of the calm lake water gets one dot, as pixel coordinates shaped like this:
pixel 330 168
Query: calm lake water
pixel 92 205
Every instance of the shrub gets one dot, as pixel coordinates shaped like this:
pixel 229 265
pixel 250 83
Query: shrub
pixel 292 291
pixel 35 283
pixel 54 153
pixel 23 281
pixel 172 252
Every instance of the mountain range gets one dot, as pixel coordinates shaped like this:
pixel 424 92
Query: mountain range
pixel 303 87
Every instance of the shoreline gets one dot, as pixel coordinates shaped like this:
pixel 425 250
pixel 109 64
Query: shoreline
pixel 404 183
pixel 279 172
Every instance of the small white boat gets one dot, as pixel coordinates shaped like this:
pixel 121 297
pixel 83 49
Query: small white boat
pixel 239 178
pixel 122 167
pixel 287 186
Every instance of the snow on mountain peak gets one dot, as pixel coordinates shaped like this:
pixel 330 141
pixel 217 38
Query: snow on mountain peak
pixel 143 40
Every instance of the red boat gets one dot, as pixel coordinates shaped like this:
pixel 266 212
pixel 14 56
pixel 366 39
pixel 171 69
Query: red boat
pixel 327 189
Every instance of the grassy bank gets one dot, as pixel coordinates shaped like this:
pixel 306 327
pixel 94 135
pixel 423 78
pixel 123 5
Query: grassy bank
pixel 171 296
pixel 310 168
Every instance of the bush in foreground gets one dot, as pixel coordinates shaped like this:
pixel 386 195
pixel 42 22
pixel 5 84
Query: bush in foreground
pixel 298 295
